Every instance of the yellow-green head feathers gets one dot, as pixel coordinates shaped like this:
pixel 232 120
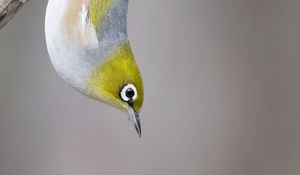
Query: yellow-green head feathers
pixel 113 74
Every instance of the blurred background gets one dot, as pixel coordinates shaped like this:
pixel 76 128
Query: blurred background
pixel 222 95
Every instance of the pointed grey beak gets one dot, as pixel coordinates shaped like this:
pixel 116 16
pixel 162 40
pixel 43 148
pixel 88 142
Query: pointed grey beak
pixel 135 119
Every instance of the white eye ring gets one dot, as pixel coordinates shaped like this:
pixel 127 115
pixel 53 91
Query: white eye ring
pixel 124 92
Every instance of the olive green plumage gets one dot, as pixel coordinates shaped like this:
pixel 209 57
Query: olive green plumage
pixel 89 48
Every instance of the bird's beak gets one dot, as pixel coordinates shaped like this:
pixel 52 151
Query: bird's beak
pixel 134 117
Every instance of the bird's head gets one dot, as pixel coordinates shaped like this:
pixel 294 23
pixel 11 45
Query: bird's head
pixel 117 81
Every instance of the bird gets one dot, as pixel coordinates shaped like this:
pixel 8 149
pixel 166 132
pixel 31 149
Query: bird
pixel 88 46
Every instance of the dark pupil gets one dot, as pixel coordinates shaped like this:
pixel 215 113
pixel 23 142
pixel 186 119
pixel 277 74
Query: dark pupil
pixel 129 93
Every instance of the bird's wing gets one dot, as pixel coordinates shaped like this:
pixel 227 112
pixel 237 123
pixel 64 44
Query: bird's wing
pixel 109 18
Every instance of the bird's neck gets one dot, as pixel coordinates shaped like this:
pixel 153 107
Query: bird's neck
pixel 81 33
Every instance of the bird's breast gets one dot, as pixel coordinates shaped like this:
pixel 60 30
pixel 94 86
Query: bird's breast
pixel 81 33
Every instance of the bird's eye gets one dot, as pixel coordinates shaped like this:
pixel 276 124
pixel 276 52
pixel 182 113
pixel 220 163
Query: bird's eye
pixel 128 92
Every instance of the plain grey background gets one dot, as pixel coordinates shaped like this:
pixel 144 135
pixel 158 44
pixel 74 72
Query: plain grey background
pixel 222 95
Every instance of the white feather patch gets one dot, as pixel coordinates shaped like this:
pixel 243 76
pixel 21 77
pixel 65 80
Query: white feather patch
pixel 84 16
